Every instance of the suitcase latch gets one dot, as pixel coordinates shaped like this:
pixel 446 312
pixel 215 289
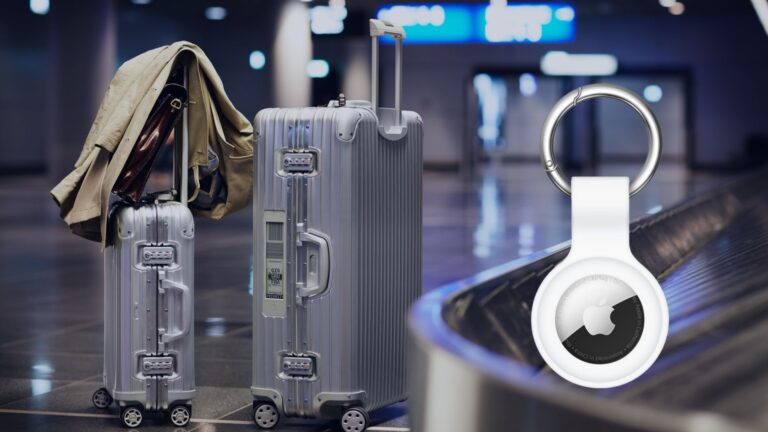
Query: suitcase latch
pixel 161 365
pixel 157 255
pixel 297 366
pixel 298 162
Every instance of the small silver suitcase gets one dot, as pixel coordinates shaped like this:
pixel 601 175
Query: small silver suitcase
pixel 337 255
pixel 149 358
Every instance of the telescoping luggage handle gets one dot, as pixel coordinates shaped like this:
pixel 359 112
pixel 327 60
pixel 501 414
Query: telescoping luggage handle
pixel 181 159
pixel 181 174
pixel 390 123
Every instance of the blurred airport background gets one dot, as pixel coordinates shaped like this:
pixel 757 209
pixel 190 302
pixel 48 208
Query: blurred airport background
pixel 481 74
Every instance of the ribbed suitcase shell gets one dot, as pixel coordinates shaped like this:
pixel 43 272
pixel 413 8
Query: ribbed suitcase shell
pixel 366 201
pixel 135 311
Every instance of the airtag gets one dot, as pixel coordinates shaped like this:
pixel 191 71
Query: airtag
pixel 599 318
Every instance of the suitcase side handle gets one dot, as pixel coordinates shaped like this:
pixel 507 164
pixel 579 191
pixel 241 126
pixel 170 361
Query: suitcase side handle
pixel 379 28
pixel 319 283
pixel 187 307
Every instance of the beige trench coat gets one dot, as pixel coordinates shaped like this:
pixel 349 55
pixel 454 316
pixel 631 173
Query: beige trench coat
pixel 84 195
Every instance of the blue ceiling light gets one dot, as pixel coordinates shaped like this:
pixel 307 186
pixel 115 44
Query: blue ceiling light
pixel 318 68
pixel 257 60
pixel 40 7
pixel 527 84
pixel 677 8
pixel 653 93
pixel 215 13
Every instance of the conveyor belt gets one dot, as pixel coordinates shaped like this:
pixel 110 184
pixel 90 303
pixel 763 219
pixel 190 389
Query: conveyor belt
pixel 716 357
pixel 711 255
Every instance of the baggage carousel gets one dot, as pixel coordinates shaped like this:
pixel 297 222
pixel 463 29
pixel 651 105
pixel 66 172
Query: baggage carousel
pixel 475 365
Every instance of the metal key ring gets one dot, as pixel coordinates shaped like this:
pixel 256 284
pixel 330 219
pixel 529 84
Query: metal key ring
pixel 567 102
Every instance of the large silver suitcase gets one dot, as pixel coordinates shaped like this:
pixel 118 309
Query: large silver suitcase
pixel 149 358
pixel 337 256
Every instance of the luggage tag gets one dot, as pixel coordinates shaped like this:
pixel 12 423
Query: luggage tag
pixel 600 318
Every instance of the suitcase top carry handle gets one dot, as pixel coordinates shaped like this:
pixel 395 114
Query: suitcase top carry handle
pixel 378 29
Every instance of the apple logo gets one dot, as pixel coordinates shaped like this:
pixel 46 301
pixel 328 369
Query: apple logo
pixel 597 319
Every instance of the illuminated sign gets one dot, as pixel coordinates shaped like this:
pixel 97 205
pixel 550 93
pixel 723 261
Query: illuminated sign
pixel 432 24
pixel 565 64
pixel 482 23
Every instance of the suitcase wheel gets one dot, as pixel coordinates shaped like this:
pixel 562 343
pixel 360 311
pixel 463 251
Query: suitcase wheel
pixel 180 415
pixel 265 415
pixel 131 416
pixel 354 420
pixel 101 399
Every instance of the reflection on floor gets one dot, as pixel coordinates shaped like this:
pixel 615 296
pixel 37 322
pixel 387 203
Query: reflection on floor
pixel 51 290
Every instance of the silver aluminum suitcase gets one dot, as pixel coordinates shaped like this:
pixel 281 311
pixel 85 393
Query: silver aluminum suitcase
pixel 337 255
pixel 149 358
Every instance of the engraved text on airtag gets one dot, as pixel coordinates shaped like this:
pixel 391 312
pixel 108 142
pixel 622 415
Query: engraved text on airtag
pixel 599 319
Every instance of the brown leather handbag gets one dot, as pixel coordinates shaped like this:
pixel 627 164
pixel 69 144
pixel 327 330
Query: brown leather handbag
pixel 161 122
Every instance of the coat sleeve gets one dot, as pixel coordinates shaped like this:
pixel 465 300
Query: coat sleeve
pixel 230 135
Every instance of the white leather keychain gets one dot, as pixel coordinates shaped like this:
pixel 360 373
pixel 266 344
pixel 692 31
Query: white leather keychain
pixel 599 318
